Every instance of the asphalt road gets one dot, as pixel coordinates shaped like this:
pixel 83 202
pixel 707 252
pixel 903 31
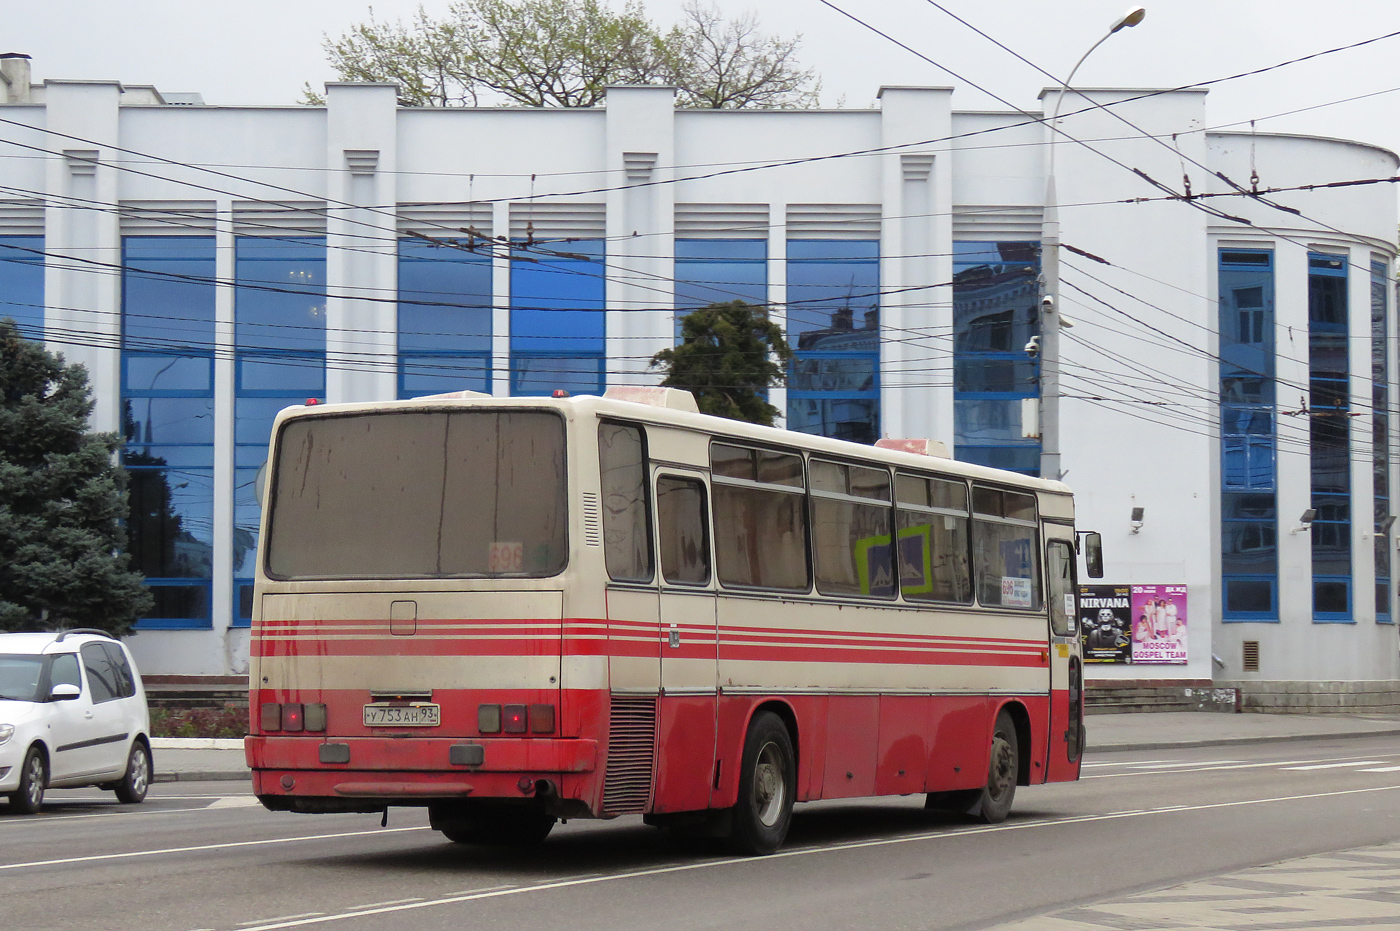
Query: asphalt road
pixel 204 856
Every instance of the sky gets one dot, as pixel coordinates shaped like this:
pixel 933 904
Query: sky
pixel 263 51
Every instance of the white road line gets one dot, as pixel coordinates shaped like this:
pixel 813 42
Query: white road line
pixel 801 852
pixel 1282 764
pixel 115 813
pixel 287 917
pixel 1126 763
pixel 234 801
pixel 1333 765
pixel 1190 763
pixel 416 898
pixel 1382 769
pixel 228 846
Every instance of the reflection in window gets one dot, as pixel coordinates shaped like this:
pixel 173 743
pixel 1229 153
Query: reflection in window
pixel 280 331
pixel 934 555
pixel 851 530
pixel 760 518
pixel 717 271
pixel 1059 572
pixel 444 318
pixel 168 421
pixel 1380 434
pixel 1329 406
pixel 681 525
pixel 22 283
pixel 622 468
pixel 557 319
pixel 995 297
pixel 1248 436
pixel 833 326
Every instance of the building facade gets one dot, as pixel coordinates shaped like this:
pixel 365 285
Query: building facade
pixel 1226 364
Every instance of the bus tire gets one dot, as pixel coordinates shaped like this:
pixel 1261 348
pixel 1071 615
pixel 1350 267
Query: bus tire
pixel 496 826
pixel 767 787
pixel 992 803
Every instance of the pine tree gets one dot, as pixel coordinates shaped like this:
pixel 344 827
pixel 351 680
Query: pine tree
pixel 726 360
pixel 62 501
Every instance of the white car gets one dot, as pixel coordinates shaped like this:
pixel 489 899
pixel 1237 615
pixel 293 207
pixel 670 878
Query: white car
pixel 72 713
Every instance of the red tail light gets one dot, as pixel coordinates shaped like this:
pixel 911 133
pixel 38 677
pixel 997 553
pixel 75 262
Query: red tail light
pixel 316 718
pixel 488 719
pixel 542 719
pixel 513 719
pixel 293 716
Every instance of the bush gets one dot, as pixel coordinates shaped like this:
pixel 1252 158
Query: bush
pixel 199 722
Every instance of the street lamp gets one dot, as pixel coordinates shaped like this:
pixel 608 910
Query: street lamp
pixel 1050 276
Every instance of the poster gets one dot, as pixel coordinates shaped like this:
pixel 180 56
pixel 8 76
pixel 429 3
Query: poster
pixel 1159 624
pixel 1106 623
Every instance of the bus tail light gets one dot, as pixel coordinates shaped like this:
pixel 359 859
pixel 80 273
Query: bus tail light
pixel 293 716
pixel 488 719
pixel 271 717
pixel 316 718
pixel 542 719
pixel 513 719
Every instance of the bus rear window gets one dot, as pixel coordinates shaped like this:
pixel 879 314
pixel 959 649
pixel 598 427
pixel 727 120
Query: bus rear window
pixel 419 495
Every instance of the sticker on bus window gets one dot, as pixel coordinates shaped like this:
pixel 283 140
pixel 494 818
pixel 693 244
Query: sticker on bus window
pixel 506 557
pixel 1016 593
pixel 1069 608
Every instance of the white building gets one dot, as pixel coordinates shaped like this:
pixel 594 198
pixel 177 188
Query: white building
pixel 1230 365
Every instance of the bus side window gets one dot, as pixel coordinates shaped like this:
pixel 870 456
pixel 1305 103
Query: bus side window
pixel 933 540
pixel 851 529
pixel 623 484
pixel 683 529
pixel 1006 558
pixel 760 518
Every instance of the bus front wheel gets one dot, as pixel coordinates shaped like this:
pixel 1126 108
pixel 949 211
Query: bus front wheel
pixel 767 786
pixel 991 803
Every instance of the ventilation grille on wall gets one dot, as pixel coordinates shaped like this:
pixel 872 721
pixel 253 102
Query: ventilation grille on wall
pixel 167 217
pixel 592 520
pixel 990 224
pixel 444 221
pixel 631 752
pixel 21 218
pixel 290 218
pixel 833 221
pixel 1251 656
pixel 721 221
pixel 558 220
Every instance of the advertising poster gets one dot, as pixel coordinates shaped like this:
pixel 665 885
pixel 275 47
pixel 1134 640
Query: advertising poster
pixel 1106 623
pixel 1159 624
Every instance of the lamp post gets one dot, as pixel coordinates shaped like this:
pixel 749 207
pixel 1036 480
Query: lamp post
pixel 1050 277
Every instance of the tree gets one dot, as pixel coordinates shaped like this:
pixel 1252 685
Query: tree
pixel 726 359
pixel 62 501
pixel 565 53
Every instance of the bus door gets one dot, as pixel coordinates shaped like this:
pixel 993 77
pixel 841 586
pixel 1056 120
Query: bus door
pixel 1066 742
pixel 688 642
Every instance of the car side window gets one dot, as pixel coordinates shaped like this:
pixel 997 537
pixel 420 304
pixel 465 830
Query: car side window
pixel 64 671
pixel 102 678
pixel 121 669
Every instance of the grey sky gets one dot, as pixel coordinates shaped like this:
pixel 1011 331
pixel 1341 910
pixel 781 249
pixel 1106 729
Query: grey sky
pixel 261 51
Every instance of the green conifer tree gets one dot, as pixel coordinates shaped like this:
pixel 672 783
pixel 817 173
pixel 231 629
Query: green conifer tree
pixel 726 359
pixel 62 501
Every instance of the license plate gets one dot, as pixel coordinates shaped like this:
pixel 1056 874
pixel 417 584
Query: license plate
pixel 415 715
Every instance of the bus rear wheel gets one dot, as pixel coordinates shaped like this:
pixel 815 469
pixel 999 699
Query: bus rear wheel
pixel 517 826
pixel 767 787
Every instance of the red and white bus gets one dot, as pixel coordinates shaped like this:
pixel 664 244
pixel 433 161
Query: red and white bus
pixel 517 610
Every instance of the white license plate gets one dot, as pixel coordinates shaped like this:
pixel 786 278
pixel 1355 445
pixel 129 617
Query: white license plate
pixel 416 715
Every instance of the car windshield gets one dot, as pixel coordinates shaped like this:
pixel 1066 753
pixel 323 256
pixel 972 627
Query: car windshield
pixel 19 676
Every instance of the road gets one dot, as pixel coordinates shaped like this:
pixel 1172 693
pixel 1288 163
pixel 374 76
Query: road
pixel 204 856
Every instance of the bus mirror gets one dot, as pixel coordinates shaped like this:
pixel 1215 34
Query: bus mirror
pixel 1093 554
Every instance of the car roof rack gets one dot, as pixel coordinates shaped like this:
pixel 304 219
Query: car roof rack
pixel 83 630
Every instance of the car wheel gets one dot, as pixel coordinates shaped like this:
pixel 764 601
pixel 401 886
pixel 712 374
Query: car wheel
pixel 132 788
pixel 33 778
pixel 767 786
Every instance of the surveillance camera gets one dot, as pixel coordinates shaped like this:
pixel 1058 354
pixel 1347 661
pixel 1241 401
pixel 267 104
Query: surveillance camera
pixel 1047 302
pixel 1033 347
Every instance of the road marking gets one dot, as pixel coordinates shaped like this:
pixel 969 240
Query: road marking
pixel 1125 763
pixel 115 813
pixel 1190 763
pixel 1383 769
pixel 416 898
pixel 290 917
pixel 232 844
pixel 1282 764
pixel 800 852
pixel 234 801
pixel 1333 765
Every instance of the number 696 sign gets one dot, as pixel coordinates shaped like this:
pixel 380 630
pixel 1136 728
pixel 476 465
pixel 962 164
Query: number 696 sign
pixel 506 557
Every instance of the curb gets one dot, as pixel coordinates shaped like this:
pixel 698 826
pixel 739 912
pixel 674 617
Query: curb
pixel 196 743
pixel 1237 741
pixel 204 776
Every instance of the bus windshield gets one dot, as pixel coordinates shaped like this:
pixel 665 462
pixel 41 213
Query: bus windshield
pixel 400 495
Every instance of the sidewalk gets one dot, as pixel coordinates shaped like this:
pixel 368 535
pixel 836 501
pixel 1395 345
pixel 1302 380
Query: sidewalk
pixel 181 760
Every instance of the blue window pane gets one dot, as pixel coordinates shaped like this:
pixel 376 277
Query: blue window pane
pixel 280 303
pixel 286 376
pixel 844 374
pixel 170 531
pixel 247 514
pixel 177 606
pixel 988 373
pixel 22 283
pixel 168 293
pixel 987 420
pixel 1025 459
pixel 445 299
pixel 1330 435
pixel 420 375
pixel 242 602
pixel 717 271
pixel 842 419
pixel 1248 548
pixel 1331 598
pixel 1250 597
pixel 252 419
pixel 168 421
pixel 197 455
pixel 172 375
pixel 557 303
pixel 541 376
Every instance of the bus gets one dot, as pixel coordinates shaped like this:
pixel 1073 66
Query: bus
pixel 519 610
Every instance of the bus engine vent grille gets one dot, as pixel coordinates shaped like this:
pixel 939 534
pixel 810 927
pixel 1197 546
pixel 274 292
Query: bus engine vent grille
pixel 592 520
pixel 631 754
